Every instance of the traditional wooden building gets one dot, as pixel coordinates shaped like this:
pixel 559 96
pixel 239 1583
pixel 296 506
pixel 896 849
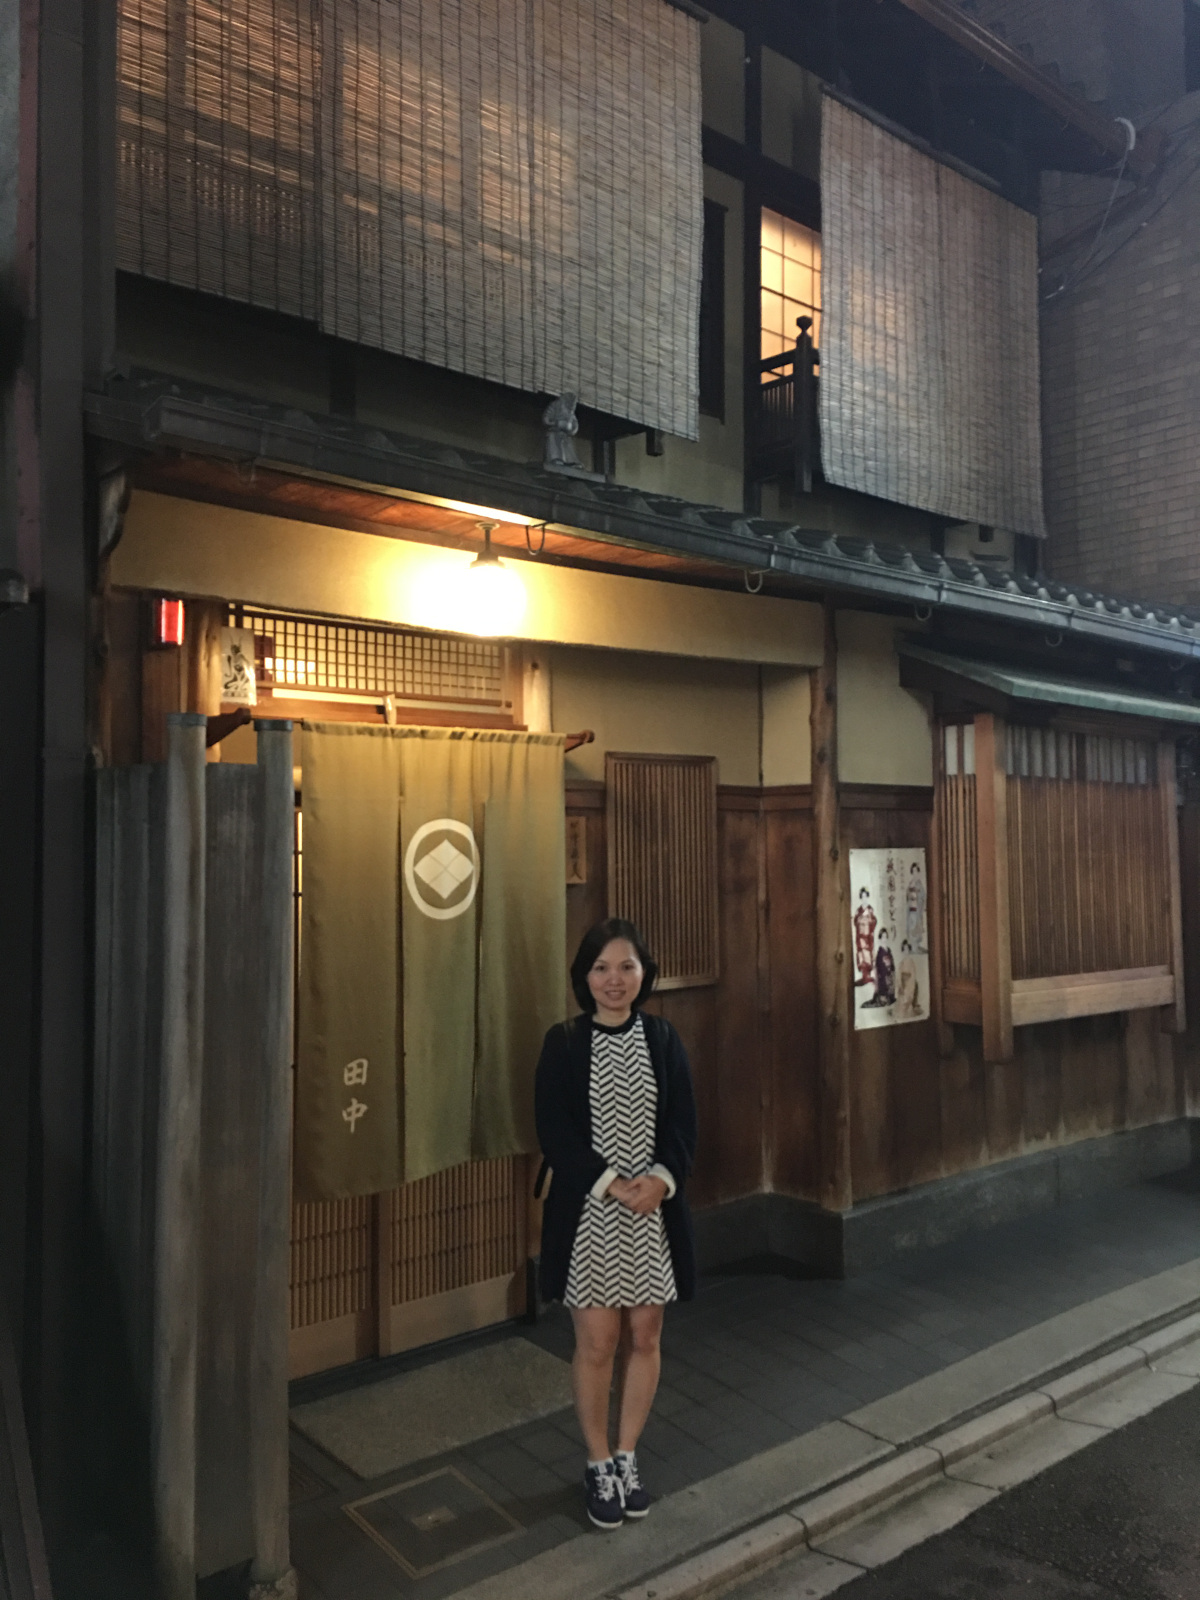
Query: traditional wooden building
pixel 707 346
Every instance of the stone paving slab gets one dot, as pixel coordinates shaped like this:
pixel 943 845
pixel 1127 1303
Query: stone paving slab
pixel 1015 1363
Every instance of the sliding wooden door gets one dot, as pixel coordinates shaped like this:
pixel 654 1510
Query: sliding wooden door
pixel 388 1272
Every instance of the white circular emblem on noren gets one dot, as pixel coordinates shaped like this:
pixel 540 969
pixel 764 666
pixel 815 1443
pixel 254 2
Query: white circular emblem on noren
pixel 442 872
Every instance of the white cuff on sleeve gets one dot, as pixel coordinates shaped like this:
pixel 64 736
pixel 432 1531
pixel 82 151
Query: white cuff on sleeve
pixel 600 1187
pixel 659 1171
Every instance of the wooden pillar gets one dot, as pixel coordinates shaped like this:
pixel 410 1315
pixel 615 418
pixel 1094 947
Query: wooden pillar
pixel 177 1187
pixel 271 1572
pixel 1174 1017
pixel 833 979
pixel 995 945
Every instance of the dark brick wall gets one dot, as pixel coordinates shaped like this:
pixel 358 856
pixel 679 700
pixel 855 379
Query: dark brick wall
pixel 1121 382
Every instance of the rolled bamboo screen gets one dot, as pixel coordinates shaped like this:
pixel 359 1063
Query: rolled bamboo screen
pixel 929 342
pixel 662 860
pixel 507 188
pixel 216 148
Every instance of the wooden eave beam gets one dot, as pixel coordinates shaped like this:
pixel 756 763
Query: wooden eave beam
pixel 1103 130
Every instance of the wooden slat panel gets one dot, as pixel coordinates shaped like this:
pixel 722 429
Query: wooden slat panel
pixel 662 859
pixel 1090 867
pixel 995 950
pixel 1169 818
pixel 455 1228
pixel 331 1260
pixel 957 866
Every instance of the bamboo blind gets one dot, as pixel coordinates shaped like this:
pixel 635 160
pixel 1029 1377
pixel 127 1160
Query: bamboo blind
pixel 508 188
pixel 512 189
pixel 304 652
pixel 216 148
pixel 332 1260
pixel 929 346
pixel 456 1228
pixel 662 859
pixel 1088 857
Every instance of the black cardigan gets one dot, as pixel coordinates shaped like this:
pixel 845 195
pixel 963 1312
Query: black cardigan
pixel 564 1124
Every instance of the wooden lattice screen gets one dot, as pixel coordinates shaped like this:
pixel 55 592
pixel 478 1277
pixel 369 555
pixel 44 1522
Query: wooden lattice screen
pixel 662 859
pixel 371 659
pixel 383 1273
pixel 1058 870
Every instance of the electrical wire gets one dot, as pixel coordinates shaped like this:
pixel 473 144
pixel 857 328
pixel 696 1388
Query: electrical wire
pixel 1088 267
pixel 1070 281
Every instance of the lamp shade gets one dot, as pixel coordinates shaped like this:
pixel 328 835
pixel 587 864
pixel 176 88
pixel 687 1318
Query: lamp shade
pixel 492 600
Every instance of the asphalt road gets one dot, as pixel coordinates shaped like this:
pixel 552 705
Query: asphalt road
pixel 1117 1521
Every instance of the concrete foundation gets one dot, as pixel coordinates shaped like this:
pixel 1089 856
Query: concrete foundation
pixel 841 1244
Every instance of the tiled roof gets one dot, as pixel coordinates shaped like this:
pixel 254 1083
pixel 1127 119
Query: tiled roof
pixel 149 412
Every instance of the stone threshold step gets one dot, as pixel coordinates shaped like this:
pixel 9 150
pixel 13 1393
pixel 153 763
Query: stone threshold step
pixel 700 1540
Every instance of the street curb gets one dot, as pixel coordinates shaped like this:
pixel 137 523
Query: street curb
pixel 747 1517
pixel 763 1546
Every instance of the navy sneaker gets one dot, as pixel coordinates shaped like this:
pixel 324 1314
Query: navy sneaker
pixel 602 1496
pixel 637 1501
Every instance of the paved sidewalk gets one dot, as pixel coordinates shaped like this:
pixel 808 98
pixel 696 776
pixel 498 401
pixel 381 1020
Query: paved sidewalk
pixel 757 1359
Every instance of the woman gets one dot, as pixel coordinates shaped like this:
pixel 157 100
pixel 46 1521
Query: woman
pixel 616 1118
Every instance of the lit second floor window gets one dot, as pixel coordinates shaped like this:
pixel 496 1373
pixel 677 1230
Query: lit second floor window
pixel 791 282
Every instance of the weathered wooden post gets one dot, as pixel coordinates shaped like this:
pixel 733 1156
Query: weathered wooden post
pixel 271 1571
pixel 833 983
pixel 176 1289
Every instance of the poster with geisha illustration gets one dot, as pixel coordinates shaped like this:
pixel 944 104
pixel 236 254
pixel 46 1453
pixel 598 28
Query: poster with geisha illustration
pixel 889 927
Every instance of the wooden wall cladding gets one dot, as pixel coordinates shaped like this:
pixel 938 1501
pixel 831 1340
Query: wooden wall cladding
pixel 895 1073
pixel 750 1035
pixel 918 1114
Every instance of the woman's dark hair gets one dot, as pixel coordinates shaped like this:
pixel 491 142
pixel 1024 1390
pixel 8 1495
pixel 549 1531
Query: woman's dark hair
pixel 590 946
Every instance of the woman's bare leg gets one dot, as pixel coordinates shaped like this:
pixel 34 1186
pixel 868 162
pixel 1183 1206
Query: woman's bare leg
pixel 597 1330
pixel 641 1333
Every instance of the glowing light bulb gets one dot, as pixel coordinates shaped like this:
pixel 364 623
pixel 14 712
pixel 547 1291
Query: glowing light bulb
pixel 493 598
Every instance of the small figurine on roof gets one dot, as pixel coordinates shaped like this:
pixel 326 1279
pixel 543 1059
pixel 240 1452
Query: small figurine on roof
pixel 561 425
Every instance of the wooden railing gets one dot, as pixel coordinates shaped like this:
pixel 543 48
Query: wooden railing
pixel 786 438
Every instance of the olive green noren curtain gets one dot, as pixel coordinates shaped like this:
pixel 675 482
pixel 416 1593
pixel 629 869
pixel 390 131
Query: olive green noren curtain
pixel 433 932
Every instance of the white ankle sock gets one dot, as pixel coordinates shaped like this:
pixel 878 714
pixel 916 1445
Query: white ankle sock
pixel 606 1462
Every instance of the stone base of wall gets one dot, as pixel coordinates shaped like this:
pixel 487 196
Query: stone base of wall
pixel 841 1244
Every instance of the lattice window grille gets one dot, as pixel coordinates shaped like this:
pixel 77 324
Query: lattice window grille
pixel 1062 757
pixel 347 658
pixel 662 860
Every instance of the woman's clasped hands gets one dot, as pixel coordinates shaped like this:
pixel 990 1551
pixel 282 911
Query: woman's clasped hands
pixel 640 1195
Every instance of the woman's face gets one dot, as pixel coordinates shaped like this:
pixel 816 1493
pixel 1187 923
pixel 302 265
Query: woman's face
pixel 615 978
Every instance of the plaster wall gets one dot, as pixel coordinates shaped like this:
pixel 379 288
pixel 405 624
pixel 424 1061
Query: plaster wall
pixel 657 705
pixel 723 78
pixel 182 547
pixel 884 732
pixel 791 115
pixel 786 730
pixel 711 468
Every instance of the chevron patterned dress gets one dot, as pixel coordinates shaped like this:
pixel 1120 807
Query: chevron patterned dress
pixel 619 1258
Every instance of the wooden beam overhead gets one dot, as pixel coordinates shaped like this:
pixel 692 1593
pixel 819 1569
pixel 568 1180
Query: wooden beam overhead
pixel 1103 130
